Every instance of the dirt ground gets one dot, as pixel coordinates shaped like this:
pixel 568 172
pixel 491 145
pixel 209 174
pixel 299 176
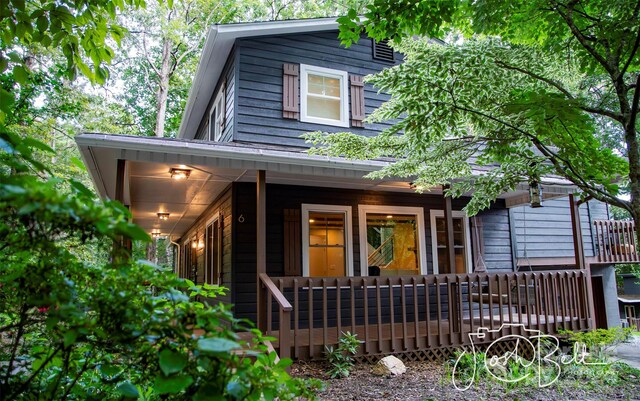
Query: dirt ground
pixel 427 381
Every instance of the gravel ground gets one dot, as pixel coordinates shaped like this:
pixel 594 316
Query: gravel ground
pixel 427 381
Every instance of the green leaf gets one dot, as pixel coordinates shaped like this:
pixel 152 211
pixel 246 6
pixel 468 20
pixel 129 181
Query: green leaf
pixel 70 337
pixel 20 74
pixel 172 385
pixel 128 390
pixel 217 345
pixel 172 361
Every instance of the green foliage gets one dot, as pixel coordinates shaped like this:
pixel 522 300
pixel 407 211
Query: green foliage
pixel 70 329
pixel 598 340
pixel 520 89
pixel 341 358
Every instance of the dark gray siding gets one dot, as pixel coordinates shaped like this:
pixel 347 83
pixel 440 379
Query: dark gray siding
pixel 546 231
pixel 259 108
pixel 228 78
pixel 280 197
pixel 497 239
pixel 222 205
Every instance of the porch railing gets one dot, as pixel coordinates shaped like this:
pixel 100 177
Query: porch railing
pixel 615 241
pixel 401 314
pixel 268 293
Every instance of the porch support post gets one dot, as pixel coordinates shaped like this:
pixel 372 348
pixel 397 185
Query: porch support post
pixel 578 248
pixel 578 244
pixel 261 247
pixel 121 246
pixel 451 262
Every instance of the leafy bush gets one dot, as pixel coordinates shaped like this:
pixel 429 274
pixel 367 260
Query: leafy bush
pixel 341 358
pixel 597 340
pixel 74 330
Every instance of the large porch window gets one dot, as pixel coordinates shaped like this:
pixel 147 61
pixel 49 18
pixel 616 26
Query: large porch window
pixel 395 244
pixel 326 234
pixel 461 241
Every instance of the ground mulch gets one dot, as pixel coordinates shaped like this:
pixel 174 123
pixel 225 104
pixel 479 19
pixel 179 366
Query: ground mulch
pixel 426 381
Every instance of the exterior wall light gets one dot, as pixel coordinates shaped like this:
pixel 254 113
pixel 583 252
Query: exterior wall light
pixel 535 194
pixel 179 173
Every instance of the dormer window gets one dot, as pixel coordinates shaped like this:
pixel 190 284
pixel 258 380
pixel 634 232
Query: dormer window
pixel 323 96
pixel 216 117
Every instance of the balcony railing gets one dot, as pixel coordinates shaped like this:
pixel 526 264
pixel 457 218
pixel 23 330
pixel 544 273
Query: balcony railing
pixel 402 314
pixel 615 241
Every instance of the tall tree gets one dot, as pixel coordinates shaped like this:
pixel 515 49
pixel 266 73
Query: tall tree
pixel 165 39
pixel 537 87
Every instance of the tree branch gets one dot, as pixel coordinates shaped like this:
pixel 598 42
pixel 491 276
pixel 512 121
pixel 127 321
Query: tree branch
pixel 146 55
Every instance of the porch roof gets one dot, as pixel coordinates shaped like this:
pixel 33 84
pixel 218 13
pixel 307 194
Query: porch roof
pixel 149 189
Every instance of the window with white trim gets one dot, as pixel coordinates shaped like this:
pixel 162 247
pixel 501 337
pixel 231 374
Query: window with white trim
pixel 216 117
pixel 395 240
pixel 461 242
pixel 324 96
pixel 326 241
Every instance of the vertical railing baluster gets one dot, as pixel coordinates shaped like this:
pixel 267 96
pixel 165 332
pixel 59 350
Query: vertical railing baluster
pixel 365 298
pixel 427 313
pixel 392 315
pixel 403 304
pixel 416 314
pixel 379 311
pixel 296 319
pixel 439 309
pixel 312 347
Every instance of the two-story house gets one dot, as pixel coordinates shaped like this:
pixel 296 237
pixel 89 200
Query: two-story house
pixel 308 247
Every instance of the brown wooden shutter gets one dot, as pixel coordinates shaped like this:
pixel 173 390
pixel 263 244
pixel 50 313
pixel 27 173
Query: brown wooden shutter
pixel 292 243
pixel 477 240
pixel 290 107
pixel 357 101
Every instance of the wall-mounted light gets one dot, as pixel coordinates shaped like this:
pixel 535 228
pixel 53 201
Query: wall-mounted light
pixel 163 216
pixel 179 173
pixel 312 221
pixel 389 216
pixel 194 244
pixel 200 244
pixel 535 194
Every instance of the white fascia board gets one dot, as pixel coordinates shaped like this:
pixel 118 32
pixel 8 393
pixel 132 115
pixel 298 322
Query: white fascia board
pixel 215 53
pixel 213 150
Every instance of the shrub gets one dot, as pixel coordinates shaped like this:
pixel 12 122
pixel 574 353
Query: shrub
pixel 72 329
pixel 341 358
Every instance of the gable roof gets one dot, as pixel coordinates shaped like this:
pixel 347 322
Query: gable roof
pixel 215 53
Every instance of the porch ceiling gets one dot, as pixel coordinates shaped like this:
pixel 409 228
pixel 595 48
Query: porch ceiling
pixel 149 188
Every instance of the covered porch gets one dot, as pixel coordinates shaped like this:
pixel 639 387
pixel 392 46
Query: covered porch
pixel 399 313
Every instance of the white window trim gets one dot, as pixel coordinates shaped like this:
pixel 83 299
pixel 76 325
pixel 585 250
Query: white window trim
pixel 217 133
pixel 213 219
pixel 344 95
pixel 467 237
pixel 362 217
pixel 348 249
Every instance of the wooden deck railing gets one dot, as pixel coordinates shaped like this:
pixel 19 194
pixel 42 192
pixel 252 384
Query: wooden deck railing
pixel 400 314
pixel 615 241
pixel 267 294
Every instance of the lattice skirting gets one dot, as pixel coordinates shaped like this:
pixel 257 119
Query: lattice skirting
pixel 448 353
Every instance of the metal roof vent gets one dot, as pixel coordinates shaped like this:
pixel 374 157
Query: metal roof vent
pixel 382 51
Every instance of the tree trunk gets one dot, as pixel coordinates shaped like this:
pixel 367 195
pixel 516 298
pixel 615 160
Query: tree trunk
pixel 163 87
pixel 151 250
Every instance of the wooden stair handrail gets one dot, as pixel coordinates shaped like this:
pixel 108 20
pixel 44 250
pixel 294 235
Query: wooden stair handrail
pixel 265 315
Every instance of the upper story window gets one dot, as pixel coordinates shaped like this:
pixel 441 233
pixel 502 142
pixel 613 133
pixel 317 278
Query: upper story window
pixel 323 96
pixel 216 116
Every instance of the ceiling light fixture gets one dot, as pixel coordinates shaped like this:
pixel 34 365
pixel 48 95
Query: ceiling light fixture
pixel 163 216
pixel 156 234
pixel 179 173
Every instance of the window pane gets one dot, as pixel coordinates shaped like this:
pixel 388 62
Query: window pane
pixel 323 108
pixel 327 244
pixel 458 243
pixel 325 86
pixel 392 244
